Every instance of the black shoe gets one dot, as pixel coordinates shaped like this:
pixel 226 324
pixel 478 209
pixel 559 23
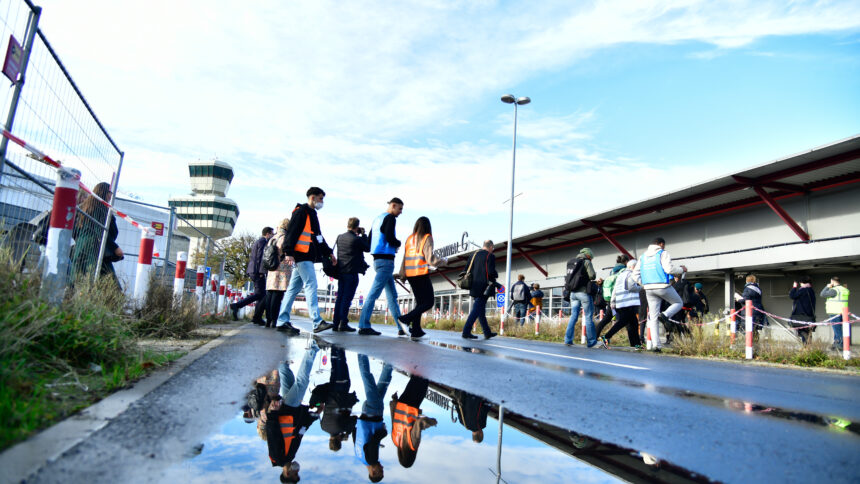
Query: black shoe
pixel 469 336
pixel 657 350
pixel 288 328
pixel 368 332
pixel 490 335
pixel 346 328
pixel 234 311
pixel 259 323
pixel 400 332
pixel 416 333
pixel 322 327
pixel 335 327
pixel 663 319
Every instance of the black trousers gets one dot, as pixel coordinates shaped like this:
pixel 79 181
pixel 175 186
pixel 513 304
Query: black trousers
pixel 422 289
pixel 415 391
pixel 626 318
pixel 273 303
pixel 606 319
pixel 259 294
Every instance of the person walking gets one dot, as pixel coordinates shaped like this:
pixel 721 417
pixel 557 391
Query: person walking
pixel 257 273
pixel 802 307
pixel 752 292
pixel 351 246
pixel 88 235
pixel 383 247
pixel 415 268
pixel 277 280
pixel 370 428
pixel 520 299
pixel 624 303
pixel 607 288
pixel 653 270
pixel 536 300
pixel 580 273
pixel 482 275
pixel 303 246
pixel 700 301
pixel 837 298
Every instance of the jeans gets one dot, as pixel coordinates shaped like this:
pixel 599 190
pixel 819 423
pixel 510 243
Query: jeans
pixel 581 300
pixel 655 299
pixel 479 312
pixel 374 391
pixel 305 277
pixel 837 330
pixel 520 309
pixel 346 286
pixel 293 389
pixel 384 279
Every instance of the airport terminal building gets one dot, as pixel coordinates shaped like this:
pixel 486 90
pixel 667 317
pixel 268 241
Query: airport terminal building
pixel 781 220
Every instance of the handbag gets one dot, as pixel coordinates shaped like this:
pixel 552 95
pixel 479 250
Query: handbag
pixel 464 280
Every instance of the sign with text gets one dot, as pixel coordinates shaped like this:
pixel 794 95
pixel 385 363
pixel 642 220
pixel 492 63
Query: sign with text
pixel 14 55
pixel 159 228
pixel 455 248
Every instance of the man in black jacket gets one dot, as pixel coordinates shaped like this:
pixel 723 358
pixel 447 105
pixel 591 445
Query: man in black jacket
pixel 483 275
pixel 303 246
pixel 351 246
pixel 257 273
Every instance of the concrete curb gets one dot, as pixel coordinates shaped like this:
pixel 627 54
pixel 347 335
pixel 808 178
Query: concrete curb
pixel 27 457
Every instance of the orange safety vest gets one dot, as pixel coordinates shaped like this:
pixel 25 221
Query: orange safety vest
pixel 416 264
pixel 303 245
pixel 288 431
pixel 403 421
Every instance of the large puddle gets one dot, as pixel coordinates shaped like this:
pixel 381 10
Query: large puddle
pixel 455 438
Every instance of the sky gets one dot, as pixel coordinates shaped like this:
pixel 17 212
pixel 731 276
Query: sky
pixel 371 100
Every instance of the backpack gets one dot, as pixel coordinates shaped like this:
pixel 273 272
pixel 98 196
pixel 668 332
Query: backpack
pixel 519 292
pixel 609 285
pixel 271 256
pixel 575 277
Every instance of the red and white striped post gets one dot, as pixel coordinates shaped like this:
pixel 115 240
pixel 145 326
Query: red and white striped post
pixel 648 344
pixel 199 289
pixel 537 321
pixel 846 334
pixel 734 326
pixel 144 263
pixel 749 329
pixel 222 293
pixel 386 316
pixel 55 277
pixel 584 339
pixel 179 277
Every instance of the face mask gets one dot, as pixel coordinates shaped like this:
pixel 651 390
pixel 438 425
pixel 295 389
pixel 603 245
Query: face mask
pixel 318 205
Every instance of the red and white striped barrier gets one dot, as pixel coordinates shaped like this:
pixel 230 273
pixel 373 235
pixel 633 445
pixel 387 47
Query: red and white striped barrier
pixel 179 277
pixel 201 277
pixel 59 244
pixel 144 264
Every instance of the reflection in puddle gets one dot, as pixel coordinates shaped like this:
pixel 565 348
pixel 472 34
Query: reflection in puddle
pixel 328 415
pixel 834 423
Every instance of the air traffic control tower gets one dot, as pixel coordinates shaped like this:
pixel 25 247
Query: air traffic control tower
pixel 208 207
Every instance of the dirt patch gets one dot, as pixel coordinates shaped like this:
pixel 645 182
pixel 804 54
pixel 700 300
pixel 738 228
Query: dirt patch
pixel 199 337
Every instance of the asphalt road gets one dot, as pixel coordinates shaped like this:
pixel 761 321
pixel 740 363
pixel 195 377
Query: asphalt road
pixel 731 422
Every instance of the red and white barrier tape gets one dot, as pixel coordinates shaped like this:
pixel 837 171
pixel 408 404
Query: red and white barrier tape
pixel 38 155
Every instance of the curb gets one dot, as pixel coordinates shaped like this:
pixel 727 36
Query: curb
pixel 26 458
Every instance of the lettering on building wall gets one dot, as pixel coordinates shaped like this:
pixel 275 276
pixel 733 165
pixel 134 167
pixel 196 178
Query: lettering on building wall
pixel 455 248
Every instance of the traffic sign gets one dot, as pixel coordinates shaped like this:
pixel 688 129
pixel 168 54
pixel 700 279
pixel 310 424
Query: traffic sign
pixel 500 300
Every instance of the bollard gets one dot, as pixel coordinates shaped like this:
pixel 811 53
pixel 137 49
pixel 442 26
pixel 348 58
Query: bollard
pixel 55 277
pixel 144 264
pixel 222 291
pixel 179 278
pixel 386 316
pixel 560 314
pixel 537 323
pixel 749 329
pixel 734 326
pixel 648 344
pixel 201 276
pixel 846 334
pixel 584 336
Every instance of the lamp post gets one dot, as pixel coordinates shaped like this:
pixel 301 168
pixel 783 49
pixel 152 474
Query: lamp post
pixel 510 99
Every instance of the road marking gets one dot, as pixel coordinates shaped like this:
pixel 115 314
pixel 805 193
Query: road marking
pixel 570 357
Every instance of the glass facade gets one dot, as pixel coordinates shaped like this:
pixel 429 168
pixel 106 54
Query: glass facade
pixel 207 204
pixel 211 170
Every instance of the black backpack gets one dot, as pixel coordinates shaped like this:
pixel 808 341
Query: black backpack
pixel 576 277
pixel 271 256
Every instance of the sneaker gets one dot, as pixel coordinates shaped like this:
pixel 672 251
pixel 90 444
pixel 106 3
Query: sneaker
pixel 401 324
pixel 234 312
pixel 400 332
pixel 346 328
pixel 604 342
pixel 638 347
pixel 469 336
pixel 322 327
pixel 368 332
pixel 335 327
pixel 289 329
pixel 664 319
pixel 416 333
pixel 657 350
pixel 490 335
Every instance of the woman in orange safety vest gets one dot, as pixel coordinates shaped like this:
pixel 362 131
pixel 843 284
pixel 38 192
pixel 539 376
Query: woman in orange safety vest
pixel 417 259
pixel 407 421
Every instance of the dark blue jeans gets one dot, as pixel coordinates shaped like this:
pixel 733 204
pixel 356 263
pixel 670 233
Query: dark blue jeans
pixel 479 312
pixel 346 286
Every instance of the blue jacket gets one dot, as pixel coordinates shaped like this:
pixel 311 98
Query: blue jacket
pixel 383 243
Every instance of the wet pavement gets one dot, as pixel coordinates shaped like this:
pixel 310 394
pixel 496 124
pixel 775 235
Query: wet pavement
pixel 569 415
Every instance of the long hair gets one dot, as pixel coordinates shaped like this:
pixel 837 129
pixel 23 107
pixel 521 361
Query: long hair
pixel 91 206
pixel 422 228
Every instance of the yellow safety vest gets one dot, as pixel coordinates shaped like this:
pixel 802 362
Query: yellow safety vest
pixel 835 304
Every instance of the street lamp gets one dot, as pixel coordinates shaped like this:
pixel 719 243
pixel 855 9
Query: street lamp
pixel 510 99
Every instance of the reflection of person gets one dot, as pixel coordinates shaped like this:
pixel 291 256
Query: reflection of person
pixel 370 428
pixel 407 421
pixel 337 418
pixel 88 236
pixel 286 419
pixel 472 411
